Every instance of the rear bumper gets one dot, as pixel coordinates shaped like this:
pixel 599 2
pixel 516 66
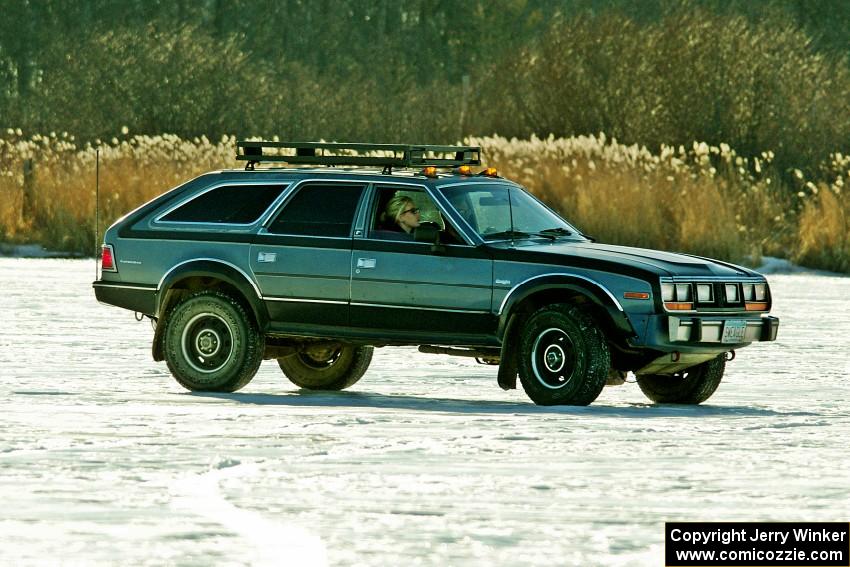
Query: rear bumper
pixel 139 298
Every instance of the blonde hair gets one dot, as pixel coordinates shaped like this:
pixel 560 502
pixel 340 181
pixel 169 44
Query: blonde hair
pixel 395 207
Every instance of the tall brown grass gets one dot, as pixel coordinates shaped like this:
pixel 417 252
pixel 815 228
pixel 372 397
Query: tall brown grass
pixel 702 199
pixel 63 183
pixel 823 238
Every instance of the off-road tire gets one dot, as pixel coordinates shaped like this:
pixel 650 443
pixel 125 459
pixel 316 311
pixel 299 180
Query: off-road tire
pixel 343 369
pixel 563 356
pixel 693 385
pixel 211 343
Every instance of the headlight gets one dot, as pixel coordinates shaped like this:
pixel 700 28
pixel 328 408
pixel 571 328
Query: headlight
pixel 760 292
pixel 749 292
pixel 677 296
pixel 732 293
pixel 704 293
pixel 676 292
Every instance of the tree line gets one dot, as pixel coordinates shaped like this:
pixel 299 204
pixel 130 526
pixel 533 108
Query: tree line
pixel 769 75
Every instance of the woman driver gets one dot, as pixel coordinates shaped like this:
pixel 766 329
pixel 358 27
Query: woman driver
pixel 403 213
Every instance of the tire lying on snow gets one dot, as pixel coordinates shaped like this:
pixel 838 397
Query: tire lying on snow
pixel 693 385
pixel 212 344
pixel 328 367
pixel 563 357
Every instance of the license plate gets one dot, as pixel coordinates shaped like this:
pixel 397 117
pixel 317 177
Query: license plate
pixel 734 331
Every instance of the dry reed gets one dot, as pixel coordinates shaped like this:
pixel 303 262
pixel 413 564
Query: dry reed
pixel 823 235
pixel 705 200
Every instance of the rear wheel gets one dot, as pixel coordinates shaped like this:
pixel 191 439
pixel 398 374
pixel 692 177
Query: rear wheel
pixel 563 357
pixel 211 344
pixel 693 385
pixel 331 366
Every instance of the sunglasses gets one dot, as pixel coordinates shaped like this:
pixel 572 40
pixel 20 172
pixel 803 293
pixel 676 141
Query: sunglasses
pixel 414 210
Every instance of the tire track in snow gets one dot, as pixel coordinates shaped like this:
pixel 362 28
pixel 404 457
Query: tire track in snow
pixel 274 543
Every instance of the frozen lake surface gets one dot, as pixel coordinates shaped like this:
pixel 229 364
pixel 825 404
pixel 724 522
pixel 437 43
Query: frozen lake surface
pixel 106 460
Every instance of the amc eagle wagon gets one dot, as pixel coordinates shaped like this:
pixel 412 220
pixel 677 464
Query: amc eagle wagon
pixel 295 261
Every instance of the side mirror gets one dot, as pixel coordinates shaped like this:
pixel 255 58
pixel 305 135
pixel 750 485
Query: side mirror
pixel 429 232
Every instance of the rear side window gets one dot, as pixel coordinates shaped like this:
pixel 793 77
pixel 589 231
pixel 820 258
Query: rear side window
pixel 319 210
pixel 228 204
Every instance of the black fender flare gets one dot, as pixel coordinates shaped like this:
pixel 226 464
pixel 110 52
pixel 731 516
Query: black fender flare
pixel 223 271
pixel 508 325
pixel 592 290
pixel 208 268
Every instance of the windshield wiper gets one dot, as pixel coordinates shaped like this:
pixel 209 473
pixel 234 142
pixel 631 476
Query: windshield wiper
pixel 520 234
pixel 559 231
pixel 505 234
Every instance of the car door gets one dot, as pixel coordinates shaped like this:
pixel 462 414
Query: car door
pixel 410 289
pixel 302 257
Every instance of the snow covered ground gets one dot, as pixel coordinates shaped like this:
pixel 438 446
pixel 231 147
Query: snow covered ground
pixel 105 460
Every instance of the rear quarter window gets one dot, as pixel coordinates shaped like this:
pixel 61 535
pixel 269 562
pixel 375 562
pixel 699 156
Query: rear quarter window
pixel 227 204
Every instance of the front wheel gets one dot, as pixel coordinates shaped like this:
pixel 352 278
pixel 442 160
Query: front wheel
pixel 327 366
pixel 563 357
pixel 211 344
pixel 693 385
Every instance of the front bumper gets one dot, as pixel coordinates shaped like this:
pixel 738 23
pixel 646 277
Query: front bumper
pixel 683 342
pixel 682 333
pixel 705 330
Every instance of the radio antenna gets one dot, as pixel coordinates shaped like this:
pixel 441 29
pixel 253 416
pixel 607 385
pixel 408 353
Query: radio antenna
pixel 511 213
pixel 96 207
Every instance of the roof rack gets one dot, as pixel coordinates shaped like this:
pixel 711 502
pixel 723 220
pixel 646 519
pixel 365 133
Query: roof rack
pixel 334 154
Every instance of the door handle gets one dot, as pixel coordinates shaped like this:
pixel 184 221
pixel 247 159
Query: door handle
pixel 366 263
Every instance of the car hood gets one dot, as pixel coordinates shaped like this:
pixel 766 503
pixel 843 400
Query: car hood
pixel 592 255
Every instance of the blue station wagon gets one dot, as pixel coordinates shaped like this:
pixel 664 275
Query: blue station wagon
pixel 331 250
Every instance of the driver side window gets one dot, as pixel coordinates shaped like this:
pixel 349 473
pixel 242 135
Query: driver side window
pixel 399 211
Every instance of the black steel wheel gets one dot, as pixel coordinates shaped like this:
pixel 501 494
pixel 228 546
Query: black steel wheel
pixel 327 366
pixel 693 385
pixel 211 343
pixel 563 357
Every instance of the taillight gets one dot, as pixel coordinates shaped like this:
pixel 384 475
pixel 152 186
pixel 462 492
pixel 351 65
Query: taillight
pixel 107 259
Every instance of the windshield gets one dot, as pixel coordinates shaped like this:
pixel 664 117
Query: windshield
pixel 500 212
